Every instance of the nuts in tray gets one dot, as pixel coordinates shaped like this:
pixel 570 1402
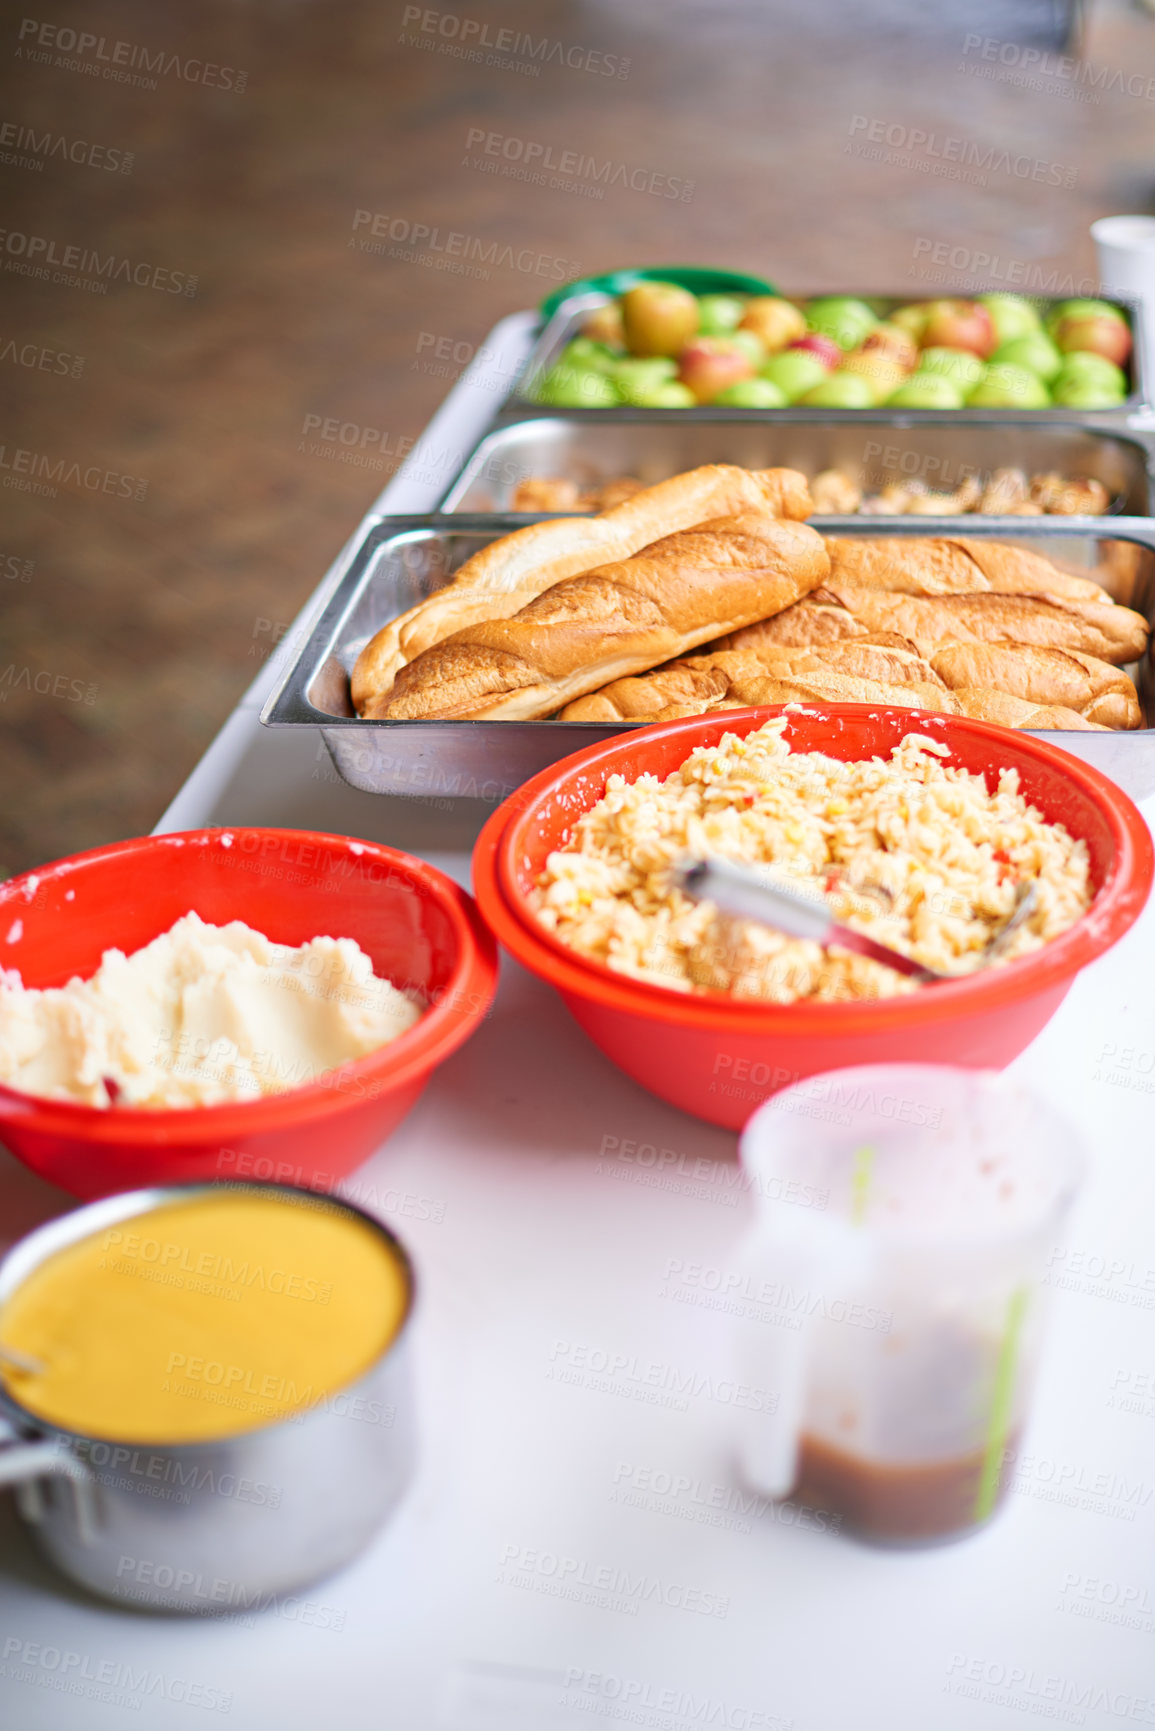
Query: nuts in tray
pixel 659 346
pixel 709 591
pixel 556 493
pixel 1007 493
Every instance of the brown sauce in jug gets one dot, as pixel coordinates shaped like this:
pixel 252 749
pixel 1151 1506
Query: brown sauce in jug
pixel 896 1501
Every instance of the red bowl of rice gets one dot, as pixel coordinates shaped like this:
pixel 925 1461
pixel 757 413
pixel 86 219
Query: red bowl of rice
pixel 719 1057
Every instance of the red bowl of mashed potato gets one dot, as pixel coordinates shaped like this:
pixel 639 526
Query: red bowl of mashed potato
pixel 241 1081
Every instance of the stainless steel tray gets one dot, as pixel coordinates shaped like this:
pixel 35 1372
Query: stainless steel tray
pixel 874 447
pixel 566 321
pixel 400 560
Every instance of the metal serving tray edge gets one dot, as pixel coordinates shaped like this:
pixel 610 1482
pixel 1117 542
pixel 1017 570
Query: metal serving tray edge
pixel 401 559
pixel 873 446
pixel 565 322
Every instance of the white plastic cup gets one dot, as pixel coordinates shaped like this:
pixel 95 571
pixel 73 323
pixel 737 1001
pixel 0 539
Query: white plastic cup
pixel 1126 251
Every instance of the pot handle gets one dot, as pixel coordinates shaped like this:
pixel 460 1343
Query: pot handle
pixel 25 1462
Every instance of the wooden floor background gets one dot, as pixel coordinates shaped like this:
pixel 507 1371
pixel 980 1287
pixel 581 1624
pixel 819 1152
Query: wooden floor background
pixel 192 508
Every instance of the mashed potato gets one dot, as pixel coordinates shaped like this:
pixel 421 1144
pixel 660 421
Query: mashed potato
pixel 917 855
pixel 201 1015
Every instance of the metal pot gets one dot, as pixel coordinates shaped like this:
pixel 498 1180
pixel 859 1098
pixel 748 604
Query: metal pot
pixel 220 1525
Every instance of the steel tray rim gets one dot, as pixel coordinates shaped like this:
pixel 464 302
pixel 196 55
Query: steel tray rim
pixel 287 704
pixel 1142 439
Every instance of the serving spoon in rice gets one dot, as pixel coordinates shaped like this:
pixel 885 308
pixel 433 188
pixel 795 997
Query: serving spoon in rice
pixel 745 895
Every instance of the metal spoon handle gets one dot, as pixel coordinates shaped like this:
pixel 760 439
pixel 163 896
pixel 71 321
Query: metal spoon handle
pixel 739 892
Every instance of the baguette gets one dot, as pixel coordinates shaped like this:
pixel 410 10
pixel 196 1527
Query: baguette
pixel 957 566
pixel 819 619
pixel 826 686
pixel 1100 629
pixel 616 620
pixel 889 659
pixel 500 579
pixel 845 673
pixel 829 686
pixel 701 682
pixel 1065 677
pixel 1008 711
pixel 681 685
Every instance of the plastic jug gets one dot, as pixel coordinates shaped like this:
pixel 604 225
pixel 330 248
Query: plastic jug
pixel 905 1213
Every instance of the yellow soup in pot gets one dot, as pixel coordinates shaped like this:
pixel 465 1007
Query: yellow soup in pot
pixel 203 1318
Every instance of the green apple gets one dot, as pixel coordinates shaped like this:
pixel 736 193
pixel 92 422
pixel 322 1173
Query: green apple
pixel 590 356
pixel 911 319
pixel 926 391
pixel 1075 393
pixel 672 395
pixel 840 391
pixel 1081 309
pixel 718 315
pixel 960 366
pixel 1095 369
pixel 1011 316
pixel 638 379
pixel 1087 361
pixel 751 394
pixel 751 344
pixel 1007 387
pixel 794 371
pixel 846 320
pixel 1036 352
pixel 566 387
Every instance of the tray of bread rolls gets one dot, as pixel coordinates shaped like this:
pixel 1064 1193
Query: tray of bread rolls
pixel 461 653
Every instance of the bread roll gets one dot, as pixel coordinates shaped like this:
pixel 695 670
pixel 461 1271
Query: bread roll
pixel 691 689
pixel 820 619
pixel 1100 629
pixel 614 621
pixel 507 574
pixel 834 673
pixel 914 565
pixel 1043 676
pixel 1008 711
pixel 886 658
pixel 831 687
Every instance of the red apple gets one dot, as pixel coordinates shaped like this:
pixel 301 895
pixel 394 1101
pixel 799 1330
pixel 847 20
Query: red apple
pixel 823 348
pixel 711 364
pixel 775 320
pixel 1097 334
pixel 892 343
pixel 959 325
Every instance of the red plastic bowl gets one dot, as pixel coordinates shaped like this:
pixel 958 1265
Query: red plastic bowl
pixel 418 929
pixel 720 1058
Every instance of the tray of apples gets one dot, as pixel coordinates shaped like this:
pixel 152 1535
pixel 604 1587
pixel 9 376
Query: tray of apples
pixel 660 346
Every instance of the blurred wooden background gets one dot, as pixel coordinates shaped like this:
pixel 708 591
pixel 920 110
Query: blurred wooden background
pixel 187 519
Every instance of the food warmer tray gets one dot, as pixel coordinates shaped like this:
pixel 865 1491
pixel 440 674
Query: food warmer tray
pixel 400 560
pixel 565 324
pixel 873 446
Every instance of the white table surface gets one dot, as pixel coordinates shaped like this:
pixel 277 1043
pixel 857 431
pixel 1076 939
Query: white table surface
pixel 541 1257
